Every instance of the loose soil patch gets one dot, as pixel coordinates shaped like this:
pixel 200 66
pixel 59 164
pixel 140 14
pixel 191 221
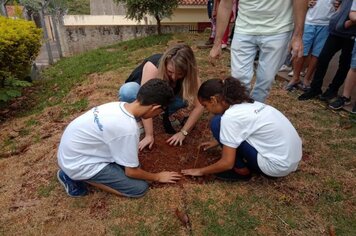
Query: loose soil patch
pixel 163 157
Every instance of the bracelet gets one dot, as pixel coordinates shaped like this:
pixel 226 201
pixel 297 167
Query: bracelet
pixel 184 132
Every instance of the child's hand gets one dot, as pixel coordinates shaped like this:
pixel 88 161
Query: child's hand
pixel 146 141
pixel 192 172
pixel 168 177
pixel 209 144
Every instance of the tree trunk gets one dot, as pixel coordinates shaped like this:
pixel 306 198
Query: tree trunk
pixel 46 39
pixel 158 24
pixel 56 21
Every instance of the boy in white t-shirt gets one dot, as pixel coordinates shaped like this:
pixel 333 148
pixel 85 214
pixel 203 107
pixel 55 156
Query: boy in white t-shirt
pixel 254 136
pixel 100 147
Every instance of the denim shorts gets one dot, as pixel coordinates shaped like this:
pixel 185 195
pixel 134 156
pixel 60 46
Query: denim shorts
pixel 353 59
pixel 314 38
pixel 113 176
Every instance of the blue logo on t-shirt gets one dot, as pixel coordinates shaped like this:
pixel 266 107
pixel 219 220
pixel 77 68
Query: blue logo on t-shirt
pixel 260 109
pixel 96 119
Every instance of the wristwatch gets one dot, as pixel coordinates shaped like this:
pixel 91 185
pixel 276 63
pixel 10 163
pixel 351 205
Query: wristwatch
pixel 184 132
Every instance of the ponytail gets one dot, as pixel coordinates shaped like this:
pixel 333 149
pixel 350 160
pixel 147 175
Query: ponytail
pixel 229 89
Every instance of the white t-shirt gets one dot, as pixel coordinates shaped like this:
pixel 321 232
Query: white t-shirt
pixel 321 13
pixel 264 17
pixel 278 144
pixel 103 135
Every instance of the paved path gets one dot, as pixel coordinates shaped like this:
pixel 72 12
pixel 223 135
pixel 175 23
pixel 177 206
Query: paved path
pixel 333 65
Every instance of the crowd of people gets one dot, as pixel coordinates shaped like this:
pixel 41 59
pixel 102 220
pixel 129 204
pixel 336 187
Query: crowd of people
pixel 100 147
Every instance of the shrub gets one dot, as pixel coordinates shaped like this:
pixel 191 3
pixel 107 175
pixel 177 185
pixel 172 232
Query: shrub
pixel 20 42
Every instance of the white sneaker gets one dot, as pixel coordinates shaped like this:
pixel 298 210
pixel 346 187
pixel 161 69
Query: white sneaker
pixel 302 73
pixel 285 68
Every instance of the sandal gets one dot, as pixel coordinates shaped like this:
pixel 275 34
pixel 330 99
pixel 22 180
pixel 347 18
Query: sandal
pixel 290 87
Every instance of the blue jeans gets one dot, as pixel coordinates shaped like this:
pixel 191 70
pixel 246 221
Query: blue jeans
pixel 113 176
pixel 246 155
pixel 128 93
pixel 272 49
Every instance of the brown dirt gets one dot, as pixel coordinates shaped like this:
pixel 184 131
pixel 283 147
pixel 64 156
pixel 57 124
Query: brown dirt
pixel 163 157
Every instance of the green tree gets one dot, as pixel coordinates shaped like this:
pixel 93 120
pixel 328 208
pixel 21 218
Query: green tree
pixel 159 9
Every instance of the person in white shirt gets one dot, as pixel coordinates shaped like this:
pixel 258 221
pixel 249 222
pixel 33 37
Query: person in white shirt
pixel 255 137
pixel 264 25
pixel 100 147
pixel 316 31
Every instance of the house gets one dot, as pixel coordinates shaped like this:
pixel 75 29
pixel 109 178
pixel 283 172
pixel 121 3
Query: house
pixel 15 11
pixel 107 12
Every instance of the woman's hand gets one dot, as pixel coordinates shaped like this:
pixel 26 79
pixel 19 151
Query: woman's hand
pixel 192 172
pixel 209 144
pixel 168 177
pixel 146 141
pixel 176 139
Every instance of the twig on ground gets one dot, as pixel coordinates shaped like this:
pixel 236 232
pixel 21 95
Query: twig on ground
pixel 196 159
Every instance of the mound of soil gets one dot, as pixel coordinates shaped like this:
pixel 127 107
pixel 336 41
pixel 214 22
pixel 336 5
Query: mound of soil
pixel 163 157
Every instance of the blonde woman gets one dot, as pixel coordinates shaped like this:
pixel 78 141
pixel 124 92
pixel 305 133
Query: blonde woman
pixel 177 66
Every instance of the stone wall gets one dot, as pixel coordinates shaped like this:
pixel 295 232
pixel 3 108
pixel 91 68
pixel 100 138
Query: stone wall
pixel 106 7
pixel 77 39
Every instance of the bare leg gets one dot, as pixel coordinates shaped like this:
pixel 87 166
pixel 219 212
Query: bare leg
pixel 350 83
pixel 297 68
pixel 311 69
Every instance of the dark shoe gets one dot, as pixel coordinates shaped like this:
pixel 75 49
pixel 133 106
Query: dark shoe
pixel 231 176
pixel 305 88
pixel 339 103
pixel 167 125
pixel 73 188
pixel 292 86
pixel 310 94
pixel 328 95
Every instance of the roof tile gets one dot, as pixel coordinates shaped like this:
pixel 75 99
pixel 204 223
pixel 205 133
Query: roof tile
pixel 192 2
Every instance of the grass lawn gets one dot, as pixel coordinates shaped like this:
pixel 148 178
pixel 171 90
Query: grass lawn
pixel 318 199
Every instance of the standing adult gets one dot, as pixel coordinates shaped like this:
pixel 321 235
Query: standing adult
pixel 264 25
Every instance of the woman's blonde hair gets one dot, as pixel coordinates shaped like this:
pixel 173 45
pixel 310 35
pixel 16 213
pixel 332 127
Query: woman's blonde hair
pixel 183 59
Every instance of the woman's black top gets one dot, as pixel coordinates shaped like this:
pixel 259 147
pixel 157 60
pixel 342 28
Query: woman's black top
pixel 136 75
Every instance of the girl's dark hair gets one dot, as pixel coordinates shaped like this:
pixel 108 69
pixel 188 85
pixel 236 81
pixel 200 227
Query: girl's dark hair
pixel 228 89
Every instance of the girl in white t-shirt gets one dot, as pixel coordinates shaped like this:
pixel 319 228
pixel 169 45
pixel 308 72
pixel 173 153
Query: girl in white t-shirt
pixel 254 136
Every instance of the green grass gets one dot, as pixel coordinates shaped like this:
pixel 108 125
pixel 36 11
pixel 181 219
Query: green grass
pixel 58 80
pixel 46 190
pixel 321 194
pixel 228 219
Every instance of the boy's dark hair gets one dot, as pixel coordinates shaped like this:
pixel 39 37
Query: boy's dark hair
pixel 155 91
pixel 228 89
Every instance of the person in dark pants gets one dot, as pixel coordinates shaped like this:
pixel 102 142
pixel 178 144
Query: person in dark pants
pixel 339 38
pixel 255 137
